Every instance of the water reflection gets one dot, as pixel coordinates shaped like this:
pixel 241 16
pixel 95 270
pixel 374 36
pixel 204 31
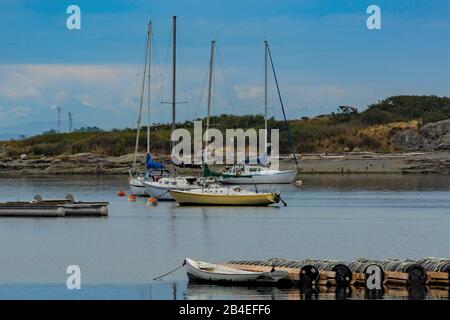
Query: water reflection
pixel 197 291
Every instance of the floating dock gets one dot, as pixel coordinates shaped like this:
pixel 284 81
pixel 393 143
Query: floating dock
pixel 394 272
pixel 66 207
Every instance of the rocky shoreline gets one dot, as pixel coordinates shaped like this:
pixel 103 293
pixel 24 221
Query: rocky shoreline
pixel 347 163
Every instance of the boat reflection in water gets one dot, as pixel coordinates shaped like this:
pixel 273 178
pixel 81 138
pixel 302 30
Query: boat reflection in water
pixel 197 291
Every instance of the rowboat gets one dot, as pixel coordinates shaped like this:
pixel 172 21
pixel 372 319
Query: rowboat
pixel 209 272
pixel 224 196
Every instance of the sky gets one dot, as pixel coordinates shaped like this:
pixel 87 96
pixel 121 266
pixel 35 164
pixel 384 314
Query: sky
pixel 324 56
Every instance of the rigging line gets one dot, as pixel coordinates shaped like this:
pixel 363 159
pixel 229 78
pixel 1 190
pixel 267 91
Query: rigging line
pixel 202 91
pixel 141 102
pixel 187 90
pixel 138 73
pixel 165 70
pixel 161 79
pixel 282 108
pixel 227 87
pixel 157 84
pixel 184 68
pixel 149 87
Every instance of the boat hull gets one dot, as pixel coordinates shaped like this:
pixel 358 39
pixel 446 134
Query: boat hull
pixel 213 273
pixel 204 199
pixel 280 177
pixel 158 191
pixel 138 189
pixel 162 192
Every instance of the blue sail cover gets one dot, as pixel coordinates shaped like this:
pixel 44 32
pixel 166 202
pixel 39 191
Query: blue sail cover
pixel 153 164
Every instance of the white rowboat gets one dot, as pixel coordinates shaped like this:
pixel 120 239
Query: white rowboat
pixel 210 272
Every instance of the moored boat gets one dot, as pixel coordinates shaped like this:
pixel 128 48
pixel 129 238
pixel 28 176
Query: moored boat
pixel 161 188
pixel 137 185
pixel 251 174
pixel 224 196
pixel 216 273
pixel 154 170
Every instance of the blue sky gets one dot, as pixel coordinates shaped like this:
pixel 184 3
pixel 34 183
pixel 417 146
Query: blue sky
pixel 324 55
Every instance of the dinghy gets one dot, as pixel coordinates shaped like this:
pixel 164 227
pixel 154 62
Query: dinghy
pixel 209 272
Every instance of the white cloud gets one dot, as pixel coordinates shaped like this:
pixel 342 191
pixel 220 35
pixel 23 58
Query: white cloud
pixel 14 112
pixel 248 92
pixel 87 104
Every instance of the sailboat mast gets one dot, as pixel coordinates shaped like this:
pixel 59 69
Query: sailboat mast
pixel 282 108
pixel 266 45
pixel 174 74
pixel 141 102
pixel 149 78
pixel 211 65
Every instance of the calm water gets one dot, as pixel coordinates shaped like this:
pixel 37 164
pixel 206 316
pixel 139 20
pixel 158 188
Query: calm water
pixel 330 216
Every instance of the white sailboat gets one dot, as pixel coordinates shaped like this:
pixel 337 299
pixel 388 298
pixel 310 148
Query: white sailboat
pixel 251 174
pixel 257 173
pixel 159 188
pixel 215 194
pixel 154 170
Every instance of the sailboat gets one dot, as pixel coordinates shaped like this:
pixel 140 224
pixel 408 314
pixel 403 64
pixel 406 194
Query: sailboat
pixel 215 194
pixel 224 196
pixel 259 173
pixel 154 170
pixel 159 188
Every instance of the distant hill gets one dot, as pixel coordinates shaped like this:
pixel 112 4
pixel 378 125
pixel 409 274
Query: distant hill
pixel 31 129
pixel 10 136
pixel 346 129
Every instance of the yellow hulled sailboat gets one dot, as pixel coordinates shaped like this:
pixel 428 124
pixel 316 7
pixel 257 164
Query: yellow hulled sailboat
pixel 224 196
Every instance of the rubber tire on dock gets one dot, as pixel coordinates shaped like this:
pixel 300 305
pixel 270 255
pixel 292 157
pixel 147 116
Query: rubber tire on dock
pixel 308 276
pixel 416 275
pixel 343 274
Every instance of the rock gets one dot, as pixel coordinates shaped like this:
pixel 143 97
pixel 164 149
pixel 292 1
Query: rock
pixel 435 130
pixel 432 136
pixel 409 140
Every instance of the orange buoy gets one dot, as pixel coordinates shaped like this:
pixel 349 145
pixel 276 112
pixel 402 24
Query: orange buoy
pixel 152 201
pixel 121 193
pixel 132 197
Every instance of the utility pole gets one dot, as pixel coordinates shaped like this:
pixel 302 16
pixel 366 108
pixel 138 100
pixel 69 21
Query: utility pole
pixel 58 126
pixel 70 121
